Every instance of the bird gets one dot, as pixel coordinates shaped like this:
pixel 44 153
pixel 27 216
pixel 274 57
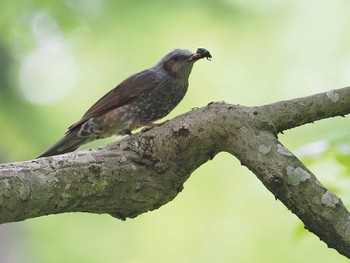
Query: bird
pixel 138 101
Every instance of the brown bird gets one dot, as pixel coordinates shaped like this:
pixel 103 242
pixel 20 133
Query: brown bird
pixel 138 101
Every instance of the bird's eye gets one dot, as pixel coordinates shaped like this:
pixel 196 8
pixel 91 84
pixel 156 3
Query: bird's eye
pixel 176 58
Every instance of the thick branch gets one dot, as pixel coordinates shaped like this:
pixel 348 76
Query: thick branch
pixel 284 115
pixel 146 170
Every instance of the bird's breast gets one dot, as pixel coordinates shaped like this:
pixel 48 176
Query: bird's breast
pixel 159 101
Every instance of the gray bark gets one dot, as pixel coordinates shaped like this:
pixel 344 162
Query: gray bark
pixel 146 170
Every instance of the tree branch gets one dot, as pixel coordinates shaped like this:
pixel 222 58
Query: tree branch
pixel 289 114
pixel 146 170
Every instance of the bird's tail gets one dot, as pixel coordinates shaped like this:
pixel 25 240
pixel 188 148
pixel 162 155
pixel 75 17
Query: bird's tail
pixel 70 142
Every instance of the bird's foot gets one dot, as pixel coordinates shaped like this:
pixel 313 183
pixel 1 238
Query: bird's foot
pixel 126 132
pixel 149 126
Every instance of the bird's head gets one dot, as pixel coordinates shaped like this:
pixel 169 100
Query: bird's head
pixel 179 62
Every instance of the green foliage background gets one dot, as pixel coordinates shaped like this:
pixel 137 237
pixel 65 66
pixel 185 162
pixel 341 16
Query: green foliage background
pixel 59 57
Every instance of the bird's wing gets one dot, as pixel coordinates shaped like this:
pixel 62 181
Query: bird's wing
pixel 126 91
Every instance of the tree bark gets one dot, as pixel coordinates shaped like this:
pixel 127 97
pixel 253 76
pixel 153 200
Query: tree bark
pixel 148 169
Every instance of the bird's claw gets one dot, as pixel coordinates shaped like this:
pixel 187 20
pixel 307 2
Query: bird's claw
pixel 150 126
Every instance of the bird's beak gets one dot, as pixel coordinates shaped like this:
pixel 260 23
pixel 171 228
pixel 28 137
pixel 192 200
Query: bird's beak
pixel 201 53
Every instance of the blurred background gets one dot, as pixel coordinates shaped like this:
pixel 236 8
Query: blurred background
pixel 58 57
